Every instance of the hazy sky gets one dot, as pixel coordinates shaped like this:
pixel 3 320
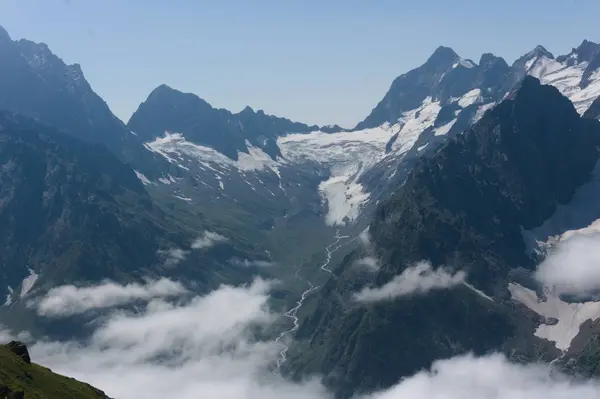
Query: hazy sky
pixel 315 61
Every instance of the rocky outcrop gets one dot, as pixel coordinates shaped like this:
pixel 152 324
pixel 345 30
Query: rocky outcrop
pixel 19 349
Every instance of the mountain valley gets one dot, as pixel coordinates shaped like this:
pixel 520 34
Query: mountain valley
pixel 433 229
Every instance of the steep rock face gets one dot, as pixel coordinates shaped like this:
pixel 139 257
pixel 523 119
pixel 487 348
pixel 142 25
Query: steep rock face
pixel 426 107
pixel 72 213
pixel 67 207
pixel 464 207
pixel 509 170
pixel 36 83
pixel 409 90
pixel 443 77
pixel 594 111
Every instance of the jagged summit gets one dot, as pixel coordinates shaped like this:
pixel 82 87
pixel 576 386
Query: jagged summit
pixel 443 55
pixel 488 59
pixel 539 51
pixel 587 50
pixel 168 109
pixel 247 109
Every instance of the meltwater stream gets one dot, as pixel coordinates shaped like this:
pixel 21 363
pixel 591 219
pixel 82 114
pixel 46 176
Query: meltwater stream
pixel 291 314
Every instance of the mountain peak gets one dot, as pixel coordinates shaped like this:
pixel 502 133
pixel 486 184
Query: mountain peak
pixel 443 55
pixel 163 88
pixel 247 110
pixel 587 50
pixel 165 93
pixel 539 51
pixel 489 59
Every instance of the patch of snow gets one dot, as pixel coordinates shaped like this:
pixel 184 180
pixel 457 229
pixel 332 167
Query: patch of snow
pixel 481 111
pixel 529 63
pixel 567 80
pixel 466 63
pixel 132 132
pixel 469 98
pixel 543 66
pixel 28 282
pixel 145 181
pixel 218 177
pixel 420 148
pixel 164 180
pixel 570 316
pixel 442 130
pixel 414 122
pixel 344 197
pixel 580 214
pixel 173 145
pixel 9 296
pixel 184 198
pixel 583 98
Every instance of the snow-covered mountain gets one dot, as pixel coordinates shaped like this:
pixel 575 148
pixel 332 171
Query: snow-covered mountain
pixel 349 170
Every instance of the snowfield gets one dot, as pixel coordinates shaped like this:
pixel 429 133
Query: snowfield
pixel 570 316
pixel 346 155
pixel 566 79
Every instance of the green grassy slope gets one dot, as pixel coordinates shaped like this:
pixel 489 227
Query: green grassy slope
pixel 20 379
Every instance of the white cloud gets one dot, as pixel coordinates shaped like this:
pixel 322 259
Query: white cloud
pixel 68 300
pixel 489 377
pixel 418 279
pixel 365 237
pixel 208 239
pixel 573 267
pixel 204 347
pixel 201 348
pixel 250 263
pixel 369 262
pixel 7 336
pixel 174 255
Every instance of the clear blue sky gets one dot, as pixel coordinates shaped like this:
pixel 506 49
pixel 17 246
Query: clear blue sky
pixel 316 61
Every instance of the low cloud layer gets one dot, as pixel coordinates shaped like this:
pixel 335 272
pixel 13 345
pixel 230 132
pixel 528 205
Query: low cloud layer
pixel 204 347
pixel 250 263
pixel 573 267
pixel 173 256
pixel 489 377
pixel 69 300
pixel 208 239
pixel 370 262
pixel 201 348
pixel 418 279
